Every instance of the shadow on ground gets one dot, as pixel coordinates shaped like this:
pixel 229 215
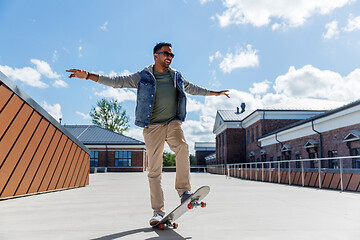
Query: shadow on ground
pixel 162 234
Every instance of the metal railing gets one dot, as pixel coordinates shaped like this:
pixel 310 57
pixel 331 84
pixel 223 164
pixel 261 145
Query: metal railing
pixel 143 168
pixel 240 169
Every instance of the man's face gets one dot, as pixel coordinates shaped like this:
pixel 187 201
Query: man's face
pixel 163 56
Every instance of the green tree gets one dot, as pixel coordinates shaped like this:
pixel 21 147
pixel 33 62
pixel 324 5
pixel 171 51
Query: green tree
pixel 168 159
pixel 192 160
pixel 110 115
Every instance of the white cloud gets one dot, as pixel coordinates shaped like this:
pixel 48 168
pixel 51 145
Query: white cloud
pixel 53 110
pixel 104 26
pixel 27 75
pixel 272 98
pixel 192 105
pixel 353 24
pixel 112 73
pixel 32 75
pixel 217 55
pixel 44 68
pixel 83 115
pixel 332 30
pixel 239 59
pixel 261 12
pixel 196 131
pixel 60 84
pixel 212 103
pixel 135 132
pixel 201 130
pixel 312 82
pixel 260 88
pixel 117 93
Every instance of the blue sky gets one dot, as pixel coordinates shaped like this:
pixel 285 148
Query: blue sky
pixel 266 52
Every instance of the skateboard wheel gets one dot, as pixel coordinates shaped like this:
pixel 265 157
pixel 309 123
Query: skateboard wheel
pixel 203 204
pixel 175 225
pixel 161 226
pixel 190 206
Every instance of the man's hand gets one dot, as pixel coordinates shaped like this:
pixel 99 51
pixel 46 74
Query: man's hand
pixel 219 93
pixel 78 73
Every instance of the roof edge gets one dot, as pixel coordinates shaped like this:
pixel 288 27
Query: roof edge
pixel 26 98
pixel 321 115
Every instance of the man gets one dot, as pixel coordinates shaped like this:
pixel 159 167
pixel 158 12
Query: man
pixel 160 110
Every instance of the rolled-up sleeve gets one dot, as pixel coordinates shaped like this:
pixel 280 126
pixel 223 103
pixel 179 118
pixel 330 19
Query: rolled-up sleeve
pixel 193 89
pixel 129 81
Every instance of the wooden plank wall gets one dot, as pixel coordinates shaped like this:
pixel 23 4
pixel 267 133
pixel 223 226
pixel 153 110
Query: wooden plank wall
pixel 35 156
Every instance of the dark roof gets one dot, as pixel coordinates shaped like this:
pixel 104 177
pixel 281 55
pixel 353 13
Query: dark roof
pixel 327 113
pixel 95 135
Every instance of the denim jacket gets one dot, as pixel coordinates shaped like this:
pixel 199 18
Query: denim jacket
pixel 145 83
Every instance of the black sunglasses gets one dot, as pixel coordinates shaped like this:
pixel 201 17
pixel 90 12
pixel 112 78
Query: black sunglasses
pixel 166 54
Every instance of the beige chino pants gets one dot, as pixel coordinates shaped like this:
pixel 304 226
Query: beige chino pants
pixel 155 137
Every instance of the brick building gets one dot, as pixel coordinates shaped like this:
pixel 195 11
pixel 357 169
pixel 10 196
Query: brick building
pixel 327 143
pixel 237 132
pixel 202 150
pixel 330 134
pixel 110 150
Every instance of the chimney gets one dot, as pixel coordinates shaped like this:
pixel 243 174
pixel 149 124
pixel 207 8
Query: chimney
pixel 237 110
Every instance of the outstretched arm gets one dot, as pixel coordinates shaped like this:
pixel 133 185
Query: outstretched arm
pixel 219 93
pixel 83 74
pixel 196 90
pixel 129 81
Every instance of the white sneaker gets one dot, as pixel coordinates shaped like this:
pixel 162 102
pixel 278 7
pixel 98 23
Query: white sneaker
pixel 156 219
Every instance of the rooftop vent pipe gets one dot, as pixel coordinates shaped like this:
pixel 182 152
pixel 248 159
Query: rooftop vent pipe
pixel 243 107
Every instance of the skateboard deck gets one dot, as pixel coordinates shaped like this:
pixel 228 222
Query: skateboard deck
pixel 190 203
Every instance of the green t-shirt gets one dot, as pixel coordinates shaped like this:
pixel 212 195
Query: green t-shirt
pixel 165 105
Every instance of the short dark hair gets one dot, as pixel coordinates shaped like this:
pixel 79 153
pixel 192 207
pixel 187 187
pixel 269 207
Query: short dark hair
pixel 158 46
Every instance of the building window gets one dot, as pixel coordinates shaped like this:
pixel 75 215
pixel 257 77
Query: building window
pixel 271 160
pixel 94 158
pixel 298 157
pixel 122 158
pixel 252 135
pixel 263 159
pixel 312 156
pixel 248 136
pixel 285 164
pixel 333 163
pixel 355 161
pixel 258 165
pixel 278 159
pixel 257 132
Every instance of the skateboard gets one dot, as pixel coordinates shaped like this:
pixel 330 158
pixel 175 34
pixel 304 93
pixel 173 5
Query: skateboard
pixel 190 203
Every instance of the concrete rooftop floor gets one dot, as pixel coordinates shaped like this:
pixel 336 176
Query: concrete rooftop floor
pixel 116 206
